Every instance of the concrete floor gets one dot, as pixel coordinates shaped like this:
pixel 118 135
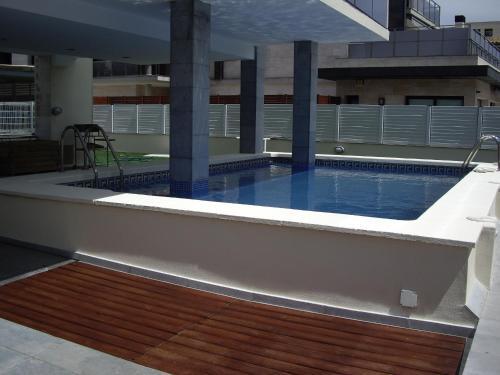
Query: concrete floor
pixel 18 260
pixel 25 351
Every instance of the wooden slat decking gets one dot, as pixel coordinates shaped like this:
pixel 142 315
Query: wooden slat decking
pixel 184 331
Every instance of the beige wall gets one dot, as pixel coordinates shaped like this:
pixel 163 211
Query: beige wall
pixel 345 270
pixel 395 91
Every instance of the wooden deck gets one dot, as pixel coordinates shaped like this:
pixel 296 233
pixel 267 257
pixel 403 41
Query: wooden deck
pixel 184 331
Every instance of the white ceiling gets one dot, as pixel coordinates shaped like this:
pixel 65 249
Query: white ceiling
pixel 140 29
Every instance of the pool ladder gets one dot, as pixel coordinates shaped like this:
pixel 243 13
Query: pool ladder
pixel 477 147
pixel 88 131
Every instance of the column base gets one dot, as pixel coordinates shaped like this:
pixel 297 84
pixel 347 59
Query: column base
pixel 188 189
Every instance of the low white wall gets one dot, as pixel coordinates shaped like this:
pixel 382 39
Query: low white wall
pixel 346 270
pixel 160 144
pixel 389 151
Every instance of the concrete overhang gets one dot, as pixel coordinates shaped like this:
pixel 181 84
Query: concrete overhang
pixel 16 72
pixel 152 80
pixel 137 31
pixel 482 72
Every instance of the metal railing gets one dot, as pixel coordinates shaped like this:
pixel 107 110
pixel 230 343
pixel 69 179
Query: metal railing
pixel 477 147
pixel 378 10
pixel 17 118
pixel 428 9
pixel 418 125
pixel 482 47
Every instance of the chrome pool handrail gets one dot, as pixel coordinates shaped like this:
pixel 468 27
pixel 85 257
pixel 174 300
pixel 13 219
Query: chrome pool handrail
pixel 84 147
pixel 477 147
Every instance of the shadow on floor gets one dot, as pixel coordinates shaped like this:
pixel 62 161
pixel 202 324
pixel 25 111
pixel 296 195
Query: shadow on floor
pixel 16 260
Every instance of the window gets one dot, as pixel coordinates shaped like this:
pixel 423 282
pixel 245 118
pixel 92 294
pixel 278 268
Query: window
pixel 352 99
pixel 488 32
pixel 478 30
pixel 440 101
pixel 219 70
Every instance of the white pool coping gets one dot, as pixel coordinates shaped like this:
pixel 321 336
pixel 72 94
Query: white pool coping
pixel 456 219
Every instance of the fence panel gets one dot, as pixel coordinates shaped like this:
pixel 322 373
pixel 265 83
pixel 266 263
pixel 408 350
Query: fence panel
pixel 406 125
pixel 103 116
pixel 217 120
pixel 278 120
pixel 150 118
pixel 125 118
pixel 490 124
pixel 454 126
pixel 327 128
pixel 360 123
pixel 233 120
pixel 16 118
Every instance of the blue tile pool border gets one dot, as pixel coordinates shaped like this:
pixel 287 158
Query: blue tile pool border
pixel 149 178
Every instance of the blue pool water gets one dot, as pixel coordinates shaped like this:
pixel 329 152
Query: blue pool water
pixel 325 189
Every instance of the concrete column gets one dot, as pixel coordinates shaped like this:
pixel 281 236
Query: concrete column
pixel 304 104
pixel 189 97
pixel 252 104
pixel 43 67
pixel 64 82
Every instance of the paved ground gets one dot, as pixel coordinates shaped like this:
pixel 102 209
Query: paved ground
pixel 25 351
pixel 17 260
pixel 184 331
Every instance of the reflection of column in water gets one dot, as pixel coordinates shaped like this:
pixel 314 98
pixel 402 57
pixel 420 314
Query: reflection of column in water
pixel 246 188
pixel 380 191
pixel 302 194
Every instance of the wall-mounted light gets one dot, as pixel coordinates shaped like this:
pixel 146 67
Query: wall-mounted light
pixel 56 111
pixel 339 149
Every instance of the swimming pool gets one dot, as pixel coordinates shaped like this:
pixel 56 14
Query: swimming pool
pixel 369 192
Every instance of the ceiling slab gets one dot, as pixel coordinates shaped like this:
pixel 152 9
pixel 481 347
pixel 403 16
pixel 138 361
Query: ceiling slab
pixel 138 31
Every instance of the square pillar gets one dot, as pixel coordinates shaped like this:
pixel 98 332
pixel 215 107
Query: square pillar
pixel 252 104
pixel 189 97
pixel 304 104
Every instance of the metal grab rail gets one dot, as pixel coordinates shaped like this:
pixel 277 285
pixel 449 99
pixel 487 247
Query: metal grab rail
pixel 86 129
pixel 477 147
pixel 85 150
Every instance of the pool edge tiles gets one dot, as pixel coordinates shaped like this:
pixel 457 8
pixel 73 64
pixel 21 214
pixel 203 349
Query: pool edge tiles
pixel 149 177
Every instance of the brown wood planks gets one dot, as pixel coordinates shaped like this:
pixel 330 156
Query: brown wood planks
pixel 185 331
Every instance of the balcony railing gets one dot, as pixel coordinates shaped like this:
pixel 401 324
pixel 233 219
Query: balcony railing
pixel 482 47
pixel 378 10
pixel 428 9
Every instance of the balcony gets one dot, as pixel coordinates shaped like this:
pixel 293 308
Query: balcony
pixel 378 10
pixel 428 9
pixel 430 43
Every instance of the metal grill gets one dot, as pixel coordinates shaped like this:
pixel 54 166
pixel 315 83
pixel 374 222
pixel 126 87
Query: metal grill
pixel 17 118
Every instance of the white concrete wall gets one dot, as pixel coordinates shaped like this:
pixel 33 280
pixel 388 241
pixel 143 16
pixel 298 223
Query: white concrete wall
pixel 71 89
pixel 330 268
